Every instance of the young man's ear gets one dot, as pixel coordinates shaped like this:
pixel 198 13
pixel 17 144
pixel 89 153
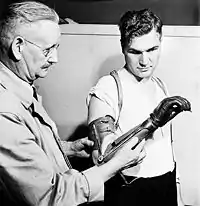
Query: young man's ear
pixel 17 47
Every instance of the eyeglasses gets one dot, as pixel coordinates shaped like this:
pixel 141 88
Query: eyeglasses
pixel 46 52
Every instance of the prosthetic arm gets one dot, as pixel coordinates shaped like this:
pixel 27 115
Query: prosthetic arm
pixel 167 109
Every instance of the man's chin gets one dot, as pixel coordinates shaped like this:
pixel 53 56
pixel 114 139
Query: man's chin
pixel 43 74
pixel 146 74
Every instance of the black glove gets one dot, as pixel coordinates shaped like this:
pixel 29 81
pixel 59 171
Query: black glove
pixel 164 112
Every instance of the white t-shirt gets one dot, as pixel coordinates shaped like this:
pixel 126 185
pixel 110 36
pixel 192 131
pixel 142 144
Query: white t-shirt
pixel 139 100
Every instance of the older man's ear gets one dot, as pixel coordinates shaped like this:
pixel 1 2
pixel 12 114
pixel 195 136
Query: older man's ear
pixel 17 46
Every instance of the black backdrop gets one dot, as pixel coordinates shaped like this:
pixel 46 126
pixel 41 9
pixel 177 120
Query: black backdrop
pixel 172 12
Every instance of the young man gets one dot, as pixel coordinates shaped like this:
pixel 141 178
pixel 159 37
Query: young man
pixel 153 180
pixel 34 168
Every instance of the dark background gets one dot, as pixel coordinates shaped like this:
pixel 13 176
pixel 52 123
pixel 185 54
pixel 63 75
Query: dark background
pixel 172 12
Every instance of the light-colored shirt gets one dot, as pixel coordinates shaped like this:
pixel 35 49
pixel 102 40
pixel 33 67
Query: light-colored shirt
pixel 30 154
pixel 139 100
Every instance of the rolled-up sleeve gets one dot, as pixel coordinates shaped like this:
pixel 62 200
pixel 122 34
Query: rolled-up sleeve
pixel 106 91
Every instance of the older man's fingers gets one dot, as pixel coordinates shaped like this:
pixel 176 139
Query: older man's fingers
pixel 86 141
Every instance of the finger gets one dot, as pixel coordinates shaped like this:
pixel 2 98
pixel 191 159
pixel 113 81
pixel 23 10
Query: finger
pixel 142 156
pixel 128 165
pixel 84 138
pixel 83 154
pixel 86 141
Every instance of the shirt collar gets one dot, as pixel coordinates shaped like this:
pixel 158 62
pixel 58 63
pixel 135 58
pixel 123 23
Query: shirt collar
pixel 14 84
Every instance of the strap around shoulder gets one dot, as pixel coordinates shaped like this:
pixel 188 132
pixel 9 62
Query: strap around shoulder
pixel 161 85
pixel 115 75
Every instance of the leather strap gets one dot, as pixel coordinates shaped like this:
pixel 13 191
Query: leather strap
pixel 162 86
pixel 115 75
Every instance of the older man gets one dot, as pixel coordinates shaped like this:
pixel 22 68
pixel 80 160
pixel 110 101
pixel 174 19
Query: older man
pixel 34 168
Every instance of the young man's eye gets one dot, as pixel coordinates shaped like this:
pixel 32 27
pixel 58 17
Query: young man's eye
pixel 153 49
pixel 133 51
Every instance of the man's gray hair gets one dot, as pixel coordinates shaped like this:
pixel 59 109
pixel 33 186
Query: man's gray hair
pixel 22 13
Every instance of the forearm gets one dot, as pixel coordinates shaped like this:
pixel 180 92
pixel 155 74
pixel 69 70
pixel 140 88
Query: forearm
pixel 38 180
pixel 97 176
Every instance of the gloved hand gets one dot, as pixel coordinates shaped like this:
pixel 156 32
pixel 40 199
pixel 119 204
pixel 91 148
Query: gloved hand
pixel 168 109
pixel 165 111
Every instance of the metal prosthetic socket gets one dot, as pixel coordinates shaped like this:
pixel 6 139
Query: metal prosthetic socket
pixel 167 109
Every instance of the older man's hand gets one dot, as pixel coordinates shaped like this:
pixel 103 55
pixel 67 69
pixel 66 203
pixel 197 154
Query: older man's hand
pixel 79 148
